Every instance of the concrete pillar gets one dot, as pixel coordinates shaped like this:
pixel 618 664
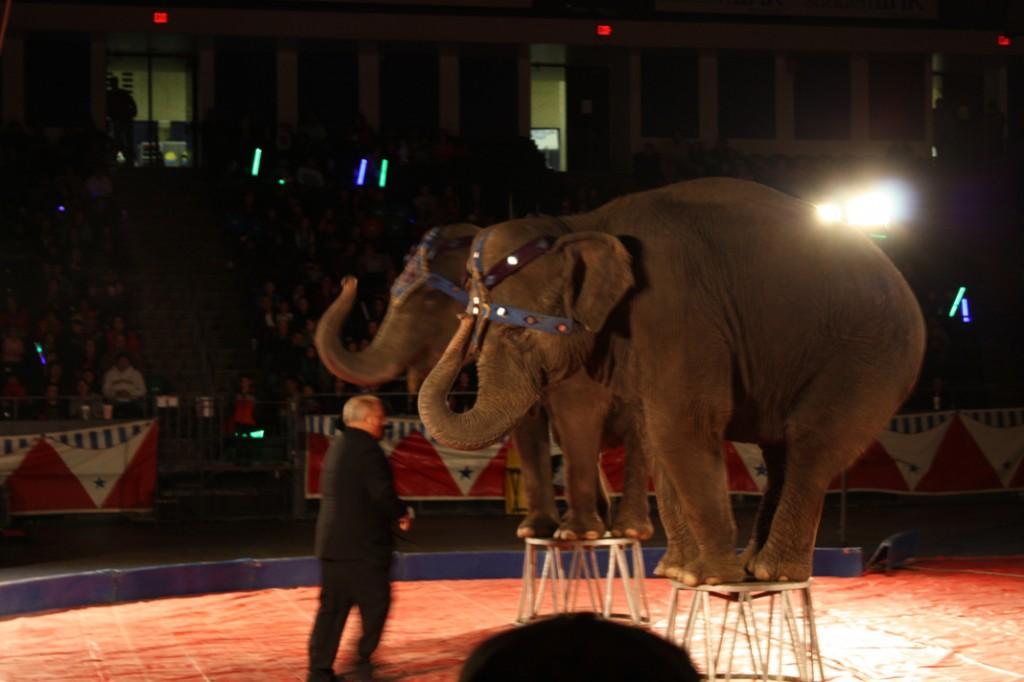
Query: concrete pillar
pixel 206 93
pixel 635 102
pixel 369 83
pixel 287 85
pixel 621 85
pixel 860 93
pixel 98 79
pixel 996 86
pixel 785 122
pixel 448 88
pixel 929 119
pixel 206 79
pixel 524 91
pixel 13 64
pixel 708 89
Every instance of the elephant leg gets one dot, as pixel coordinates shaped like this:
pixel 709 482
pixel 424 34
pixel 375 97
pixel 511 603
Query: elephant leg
pixel 578 412
pixel 788 550
pixel 682 546
pixel 694 466
pixel 774 459
pixel 533 442
pixel 633 516
pixel 826 433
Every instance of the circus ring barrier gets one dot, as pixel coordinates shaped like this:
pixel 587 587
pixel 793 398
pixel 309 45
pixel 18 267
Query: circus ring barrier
pixel 952 452
pixel 112 467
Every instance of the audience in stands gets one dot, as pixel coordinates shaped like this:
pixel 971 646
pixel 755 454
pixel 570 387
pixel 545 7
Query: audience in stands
pixel 87 404
pixel 124 388
pixel 65 312
pixel 66 316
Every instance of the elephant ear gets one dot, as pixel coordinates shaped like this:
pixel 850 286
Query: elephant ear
pixel 598 273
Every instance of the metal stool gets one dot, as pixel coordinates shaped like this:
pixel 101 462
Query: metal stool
pixel 773 640
pixel 583 569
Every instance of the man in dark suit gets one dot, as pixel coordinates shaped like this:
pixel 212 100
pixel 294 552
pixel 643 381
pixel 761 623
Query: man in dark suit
pixel 358 507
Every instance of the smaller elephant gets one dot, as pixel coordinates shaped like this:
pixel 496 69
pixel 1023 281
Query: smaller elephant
pixel 426 300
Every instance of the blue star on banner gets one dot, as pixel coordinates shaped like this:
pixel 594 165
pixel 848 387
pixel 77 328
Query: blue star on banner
pixel 466 472
pixel 760 470
pixel 99 483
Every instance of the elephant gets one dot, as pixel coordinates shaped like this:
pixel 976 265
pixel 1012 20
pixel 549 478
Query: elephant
pixel 715 309
pixel 421 317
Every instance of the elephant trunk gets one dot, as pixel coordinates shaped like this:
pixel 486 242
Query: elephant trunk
pixel 506 393
pixel 386 357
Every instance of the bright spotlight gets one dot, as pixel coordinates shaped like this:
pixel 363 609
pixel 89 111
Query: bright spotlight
pixel 874 209
pixel 829 213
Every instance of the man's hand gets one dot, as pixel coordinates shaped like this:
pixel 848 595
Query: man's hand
pixel 405 523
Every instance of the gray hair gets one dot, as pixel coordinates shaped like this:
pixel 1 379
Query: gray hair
pixel 358 408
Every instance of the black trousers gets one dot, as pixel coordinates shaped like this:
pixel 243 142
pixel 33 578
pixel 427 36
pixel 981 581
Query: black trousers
pixel 366 584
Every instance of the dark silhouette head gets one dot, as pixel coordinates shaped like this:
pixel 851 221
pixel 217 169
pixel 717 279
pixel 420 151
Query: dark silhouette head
pixel 577 647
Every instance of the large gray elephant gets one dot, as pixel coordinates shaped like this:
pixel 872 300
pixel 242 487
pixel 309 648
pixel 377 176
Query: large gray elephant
pixel 421 317
pixel 717 309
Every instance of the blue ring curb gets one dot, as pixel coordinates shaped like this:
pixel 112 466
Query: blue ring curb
pixel 174 580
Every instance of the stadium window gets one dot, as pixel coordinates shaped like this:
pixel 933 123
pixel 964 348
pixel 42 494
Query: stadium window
pixel 821 97
pixel 896 108
pixel 746 95
pixel 669 94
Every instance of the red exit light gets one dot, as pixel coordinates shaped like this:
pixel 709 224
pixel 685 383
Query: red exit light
pixel 1004 41
pixel 159 17
pixel 604 30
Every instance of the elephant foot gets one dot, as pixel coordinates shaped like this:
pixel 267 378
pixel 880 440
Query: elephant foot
pixel 580 527
pixel 638 529
pixel 747 556
pixel 637 526
pixel 775 567
pixel 673 557
pixel 706 572
pixel 537 524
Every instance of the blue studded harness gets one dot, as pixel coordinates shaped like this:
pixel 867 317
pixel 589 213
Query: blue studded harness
pixel 484 311
pixel 417 271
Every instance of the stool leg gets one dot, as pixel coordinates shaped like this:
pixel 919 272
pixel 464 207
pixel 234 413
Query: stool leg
pixel 545 571
pixel 799 651
pixel 746 607
pixel 673 607
pixel 722 637
pixel 691 620
pixel 558 581
pixel 812 629
pixel 627 588
pixel 526 593
pixel 705 607
pixel 771 635
pixel 572 585
pixel 609 583
pixel 593 579
pixel 639 578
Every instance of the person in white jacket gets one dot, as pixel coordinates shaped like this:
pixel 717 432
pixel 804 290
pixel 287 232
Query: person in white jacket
pixel 124 386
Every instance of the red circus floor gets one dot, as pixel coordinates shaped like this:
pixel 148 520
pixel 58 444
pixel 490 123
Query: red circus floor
pixel 946 619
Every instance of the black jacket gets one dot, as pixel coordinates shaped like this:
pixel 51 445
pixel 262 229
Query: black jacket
pixel 358 504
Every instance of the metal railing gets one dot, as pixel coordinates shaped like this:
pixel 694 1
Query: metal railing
pixel 91 408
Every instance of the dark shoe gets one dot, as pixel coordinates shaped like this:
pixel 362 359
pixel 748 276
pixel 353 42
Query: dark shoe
pixel 363 671
pixel 323 676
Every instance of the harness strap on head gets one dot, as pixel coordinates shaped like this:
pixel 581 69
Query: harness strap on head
pixel 417 270
pixel 519 258
pixel 484 310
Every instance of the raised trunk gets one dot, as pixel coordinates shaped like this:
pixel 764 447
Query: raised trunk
pixel 385 359
pixel 506 392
